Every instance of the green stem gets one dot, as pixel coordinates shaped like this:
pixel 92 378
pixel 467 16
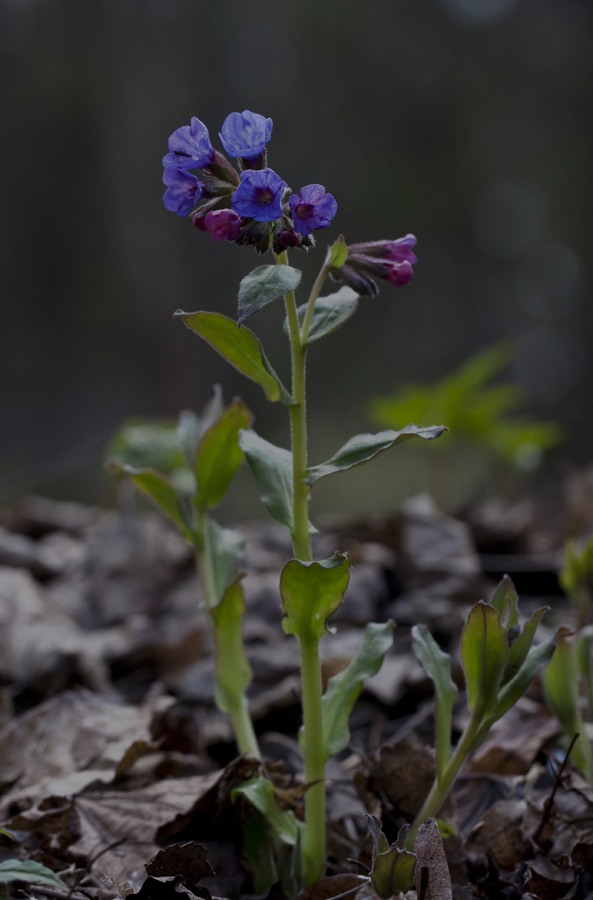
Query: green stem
pixel 239 708
pixel 314 837
pixel 311 302
pixel 439 790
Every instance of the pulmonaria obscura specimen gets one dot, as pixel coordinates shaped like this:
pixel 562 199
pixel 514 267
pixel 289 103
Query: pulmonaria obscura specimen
pixel 255 205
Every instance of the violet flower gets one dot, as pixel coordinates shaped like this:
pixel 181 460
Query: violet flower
pixel 183 190
pixel 259 196
pixel 245 134
pixel 312 209
pixel 190 147
pixel 223 224
pixel 390 260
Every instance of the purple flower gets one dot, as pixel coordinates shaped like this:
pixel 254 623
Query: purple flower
pixel 190 147
pixel 398 251
pixel 390 260
pixel 223 224
pixel 245 134
pixel 313 209
pixel 259 196
pixel 183 190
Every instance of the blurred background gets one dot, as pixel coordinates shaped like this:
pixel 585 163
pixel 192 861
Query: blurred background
pixel 466 122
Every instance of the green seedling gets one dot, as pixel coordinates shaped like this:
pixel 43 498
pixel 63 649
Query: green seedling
pixel 499 662
pixel 186 470
pixel 576 577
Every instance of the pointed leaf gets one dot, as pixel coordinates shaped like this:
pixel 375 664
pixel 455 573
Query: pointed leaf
pixel 515 688
pixel 363 447
pixel 380 842
pixel 311 593
pixel 219 454
pixel 393 872
pixel 223 546
pixel 505 600
pixel 161 492
pixel 485 655
pixel 260 793
pixel 262 286
pixel 337 253
pixel 239 346
pixel 344 689
pixel 432 878
pixel 233 672
pixel 437 665
pixel 272 469
pixel 328 314
pixel 31 872
pixel 520 648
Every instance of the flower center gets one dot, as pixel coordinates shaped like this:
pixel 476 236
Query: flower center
pixel 304 210
pixel 264 196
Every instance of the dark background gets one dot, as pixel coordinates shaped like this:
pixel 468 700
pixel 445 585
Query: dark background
pixel 466 122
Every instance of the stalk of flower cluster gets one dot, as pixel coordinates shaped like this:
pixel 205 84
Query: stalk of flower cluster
pixel 239 708
pixel 314 838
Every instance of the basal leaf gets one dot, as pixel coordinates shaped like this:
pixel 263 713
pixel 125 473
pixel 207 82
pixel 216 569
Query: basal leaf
pixel 272 469
pixel 260 793
pixel 223 546
pixel 344 689
pixel 31 872
pixel 485 656
pixel 437 665
pixel 363 447
pixel 262 286
pixel 146 444
pixel 239 346
pixel 520 648
pixel 505 600
pixel 328 314
pixel 311 593
pixel 337 253
pixel 219 454
pixel 233 672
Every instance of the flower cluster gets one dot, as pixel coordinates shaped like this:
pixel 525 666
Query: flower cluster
pixel 252 206
pixel 390 260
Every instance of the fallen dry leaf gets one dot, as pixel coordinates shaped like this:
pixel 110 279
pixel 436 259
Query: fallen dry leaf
pixel 431 876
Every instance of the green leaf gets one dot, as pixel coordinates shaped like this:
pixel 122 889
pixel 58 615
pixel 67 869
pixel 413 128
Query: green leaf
pixel 344 689
pixel 272 469
pixel 380 842
pixel 162 492
pixel 233 672
pixel 239 346
pixel 188 435
pixel 337 253
pixel 328 313
pixel 520 648
pixel 561 688
pixel 515 688
pixel 437 665
pixel 311 593
pixel 145 444
pixel 31 872
pixel 446 829
pixel 223 546
pixel 485 656
pixel 7 834
pixel 364 447
pixel 505 600
pixel 264 285
pixel 260 793
pixel 219 455
pixel 393 869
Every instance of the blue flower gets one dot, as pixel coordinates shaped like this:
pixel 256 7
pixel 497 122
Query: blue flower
pixel 245 134
pixel 190 147
pixel 183 190
pixel 313 209
pixel 259 196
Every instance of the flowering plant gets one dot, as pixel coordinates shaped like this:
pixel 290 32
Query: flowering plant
pixel 253 205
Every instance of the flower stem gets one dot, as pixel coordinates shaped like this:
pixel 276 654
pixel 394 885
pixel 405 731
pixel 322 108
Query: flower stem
pixel 439 790
pixel 238 707
pixel 314 837
pixel 311 303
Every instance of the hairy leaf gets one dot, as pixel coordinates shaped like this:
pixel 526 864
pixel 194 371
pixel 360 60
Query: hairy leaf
pixel 485 656
pixel 31 872
pixel 233 672
pixel 260 793
pixel 239 346
pixel 272 469
pixel 364 447
pixel 328 313
pixel 262 286
pixel 437 665
pixel 219 454
pixel 311 593
pixel 223 546
pixel 344 689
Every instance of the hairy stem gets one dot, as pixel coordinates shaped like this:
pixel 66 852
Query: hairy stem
pixel 439 790
pixel 238 707
pixel 311 302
